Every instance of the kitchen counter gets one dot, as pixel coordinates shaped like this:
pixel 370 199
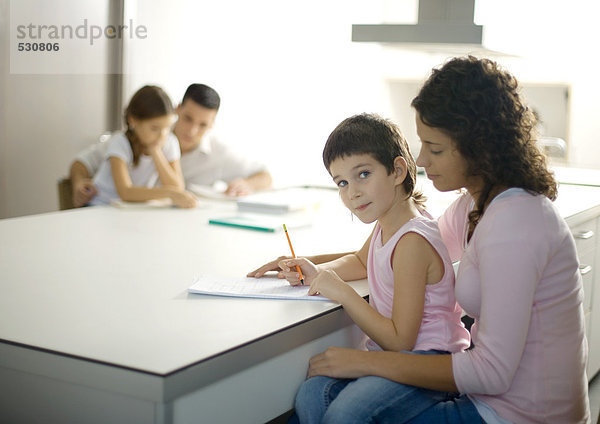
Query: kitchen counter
pixel 577 176
pixel 575 203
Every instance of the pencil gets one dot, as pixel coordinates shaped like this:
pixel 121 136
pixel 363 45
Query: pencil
pixel 293 255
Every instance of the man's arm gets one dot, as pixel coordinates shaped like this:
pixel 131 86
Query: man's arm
pixel 260 181
pixel 83 168
pixel 83 187
pixel 243 186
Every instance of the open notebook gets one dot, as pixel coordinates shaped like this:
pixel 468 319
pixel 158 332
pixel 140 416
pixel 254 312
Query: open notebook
pixel 149 204
pixel 152 204
pixel 216 191
pixel 263 288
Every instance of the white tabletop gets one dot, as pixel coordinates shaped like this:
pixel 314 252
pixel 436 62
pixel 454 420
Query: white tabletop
pixel 95 316
pixel 109 285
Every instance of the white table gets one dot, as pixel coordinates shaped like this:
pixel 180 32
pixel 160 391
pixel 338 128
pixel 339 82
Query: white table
pixel 96 325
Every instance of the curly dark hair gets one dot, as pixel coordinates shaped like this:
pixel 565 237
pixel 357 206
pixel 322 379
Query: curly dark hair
pixel 479 107
pixel 369 133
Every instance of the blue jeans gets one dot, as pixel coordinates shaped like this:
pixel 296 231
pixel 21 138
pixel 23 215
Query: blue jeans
pixel 459 410
pixel 373 399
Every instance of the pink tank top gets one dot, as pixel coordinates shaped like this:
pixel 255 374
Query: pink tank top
pixel 441 327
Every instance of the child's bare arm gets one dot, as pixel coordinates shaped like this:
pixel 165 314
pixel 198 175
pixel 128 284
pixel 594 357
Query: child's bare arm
pixel 169 173
pixel 130 193
pixel 413 262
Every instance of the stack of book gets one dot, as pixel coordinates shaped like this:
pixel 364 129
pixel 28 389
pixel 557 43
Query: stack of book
pixel 269 210
pixel 278 201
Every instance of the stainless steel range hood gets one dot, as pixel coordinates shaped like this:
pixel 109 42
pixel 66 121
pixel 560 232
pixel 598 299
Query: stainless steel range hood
pixel 440 22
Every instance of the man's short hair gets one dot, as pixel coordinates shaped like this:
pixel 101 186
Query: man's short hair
pixel 203 95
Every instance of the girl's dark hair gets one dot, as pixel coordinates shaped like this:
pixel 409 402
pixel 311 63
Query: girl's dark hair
pixel 148 102
pixel 379 137
pixel 479 107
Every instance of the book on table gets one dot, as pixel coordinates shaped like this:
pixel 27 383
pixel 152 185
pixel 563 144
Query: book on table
pixel 285 200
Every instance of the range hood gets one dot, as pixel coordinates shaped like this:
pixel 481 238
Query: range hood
pixel 441 23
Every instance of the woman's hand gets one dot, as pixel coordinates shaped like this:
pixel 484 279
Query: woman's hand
pixel 269 266
pixel 338 362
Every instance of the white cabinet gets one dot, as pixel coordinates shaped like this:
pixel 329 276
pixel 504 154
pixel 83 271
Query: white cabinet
pixel 589 259
pixel 587 241
pixel 580 206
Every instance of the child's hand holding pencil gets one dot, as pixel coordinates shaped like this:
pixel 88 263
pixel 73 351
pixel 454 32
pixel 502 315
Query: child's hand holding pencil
pixel 324 282
pixel 298 271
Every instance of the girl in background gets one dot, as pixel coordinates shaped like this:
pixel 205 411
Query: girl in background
pixel 145 153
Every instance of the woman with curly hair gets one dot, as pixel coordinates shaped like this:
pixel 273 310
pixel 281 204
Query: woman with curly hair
pixel 518 275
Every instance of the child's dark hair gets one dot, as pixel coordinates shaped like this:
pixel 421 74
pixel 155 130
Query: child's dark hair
pixel 478 106
pixel 203 95
pixel 381 138
pixel 148 102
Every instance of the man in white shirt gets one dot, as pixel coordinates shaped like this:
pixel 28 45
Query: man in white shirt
pixel 204 159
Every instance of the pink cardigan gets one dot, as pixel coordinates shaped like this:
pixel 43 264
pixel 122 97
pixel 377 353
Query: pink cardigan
pixel 519 279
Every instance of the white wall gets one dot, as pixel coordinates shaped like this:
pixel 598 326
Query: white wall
pixel 287 73
pixel 3 85
pixel 45 119
pixel 558 42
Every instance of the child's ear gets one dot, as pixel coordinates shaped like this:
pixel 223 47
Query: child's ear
pixel 400 169
pixel 131 122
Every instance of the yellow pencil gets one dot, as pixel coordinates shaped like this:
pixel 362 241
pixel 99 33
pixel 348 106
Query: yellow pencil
pixel 293 254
